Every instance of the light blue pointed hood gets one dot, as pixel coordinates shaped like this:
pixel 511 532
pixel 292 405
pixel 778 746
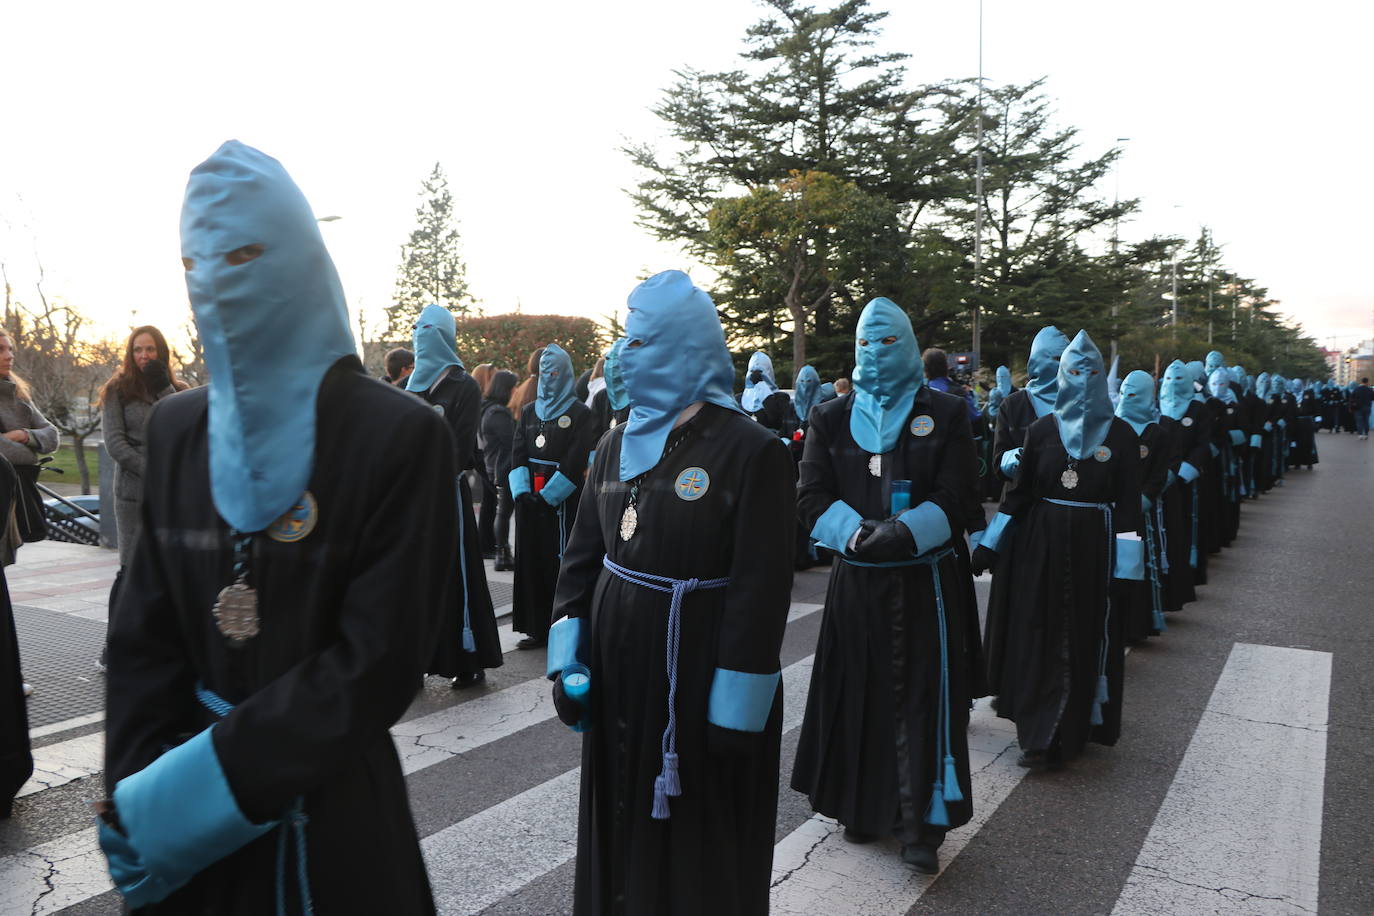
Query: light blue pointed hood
pixel 271 326
pixel 886 375
pixel 1199 373
pixel 1004 381
pixel 1219 385
pixel 827 393
pixel 1278 385
pixel 755 393
pixel 808 391
pixel 557 383
pixel 1214 362
pixel 1241 378
pixel 1042 368
pixel 1262 386
pixel 1175 390
pixel 1137 402
pixel 616 394
pixel 435 338
pixel 1082 407
pixel 681 359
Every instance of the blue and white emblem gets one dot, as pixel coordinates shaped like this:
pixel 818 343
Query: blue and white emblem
pixel 296 523
pixel 922 426
pixel 1102 453
pixel 692 484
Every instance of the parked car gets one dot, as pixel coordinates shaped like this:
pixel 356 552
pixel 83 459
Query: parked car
pixel 67 524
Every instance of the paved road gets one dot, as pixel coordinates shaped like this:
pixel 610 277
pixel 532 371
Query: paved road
pixel 1241 783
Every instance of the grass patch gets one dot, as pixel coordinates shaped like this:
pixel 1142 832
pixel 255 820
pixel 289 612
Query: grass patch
pixel 65 458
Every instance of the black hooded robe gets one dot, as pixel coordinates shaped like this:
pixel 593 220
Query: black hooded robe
pixel 868 750
pixel 1138 599
pixel 348 613
pixel 714 854
pixel 541 530
pixel 457 399
pixel 1061 608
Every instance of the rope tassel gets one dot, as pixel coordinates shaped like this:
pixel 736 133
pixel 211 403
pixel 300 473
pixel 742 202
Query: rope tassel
pixel 660 810
pixel 952 792
pixel 672 783
pixel 936 815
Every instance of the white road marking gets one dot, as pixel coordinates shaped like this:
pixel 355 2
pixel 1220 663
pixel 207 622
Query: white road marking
pixel 43 731
pixel 60 763
pixel 1240 829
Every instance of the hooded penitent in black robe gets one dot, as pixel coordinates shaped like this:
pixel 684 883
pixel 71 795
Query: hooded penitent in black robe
pixel 713 855
pixel 1060 590
pixel 1139 599
pixel 1309 408
pixel 16 761
pixel 869 753
pixel 541 530
pixel 457 399
pixel 348 617
pixel 1212 484
pixel 1014 417
pixel 1191 436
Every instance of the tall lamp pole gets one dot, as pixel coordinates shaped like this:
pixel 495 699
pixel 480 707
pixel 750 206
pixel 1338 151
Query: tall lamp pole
pixel 1116 238
pixel 978 206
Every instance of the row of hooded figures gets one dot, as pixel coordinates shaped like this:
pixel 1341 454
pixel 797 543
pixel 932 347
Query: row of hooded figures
pixel 295 575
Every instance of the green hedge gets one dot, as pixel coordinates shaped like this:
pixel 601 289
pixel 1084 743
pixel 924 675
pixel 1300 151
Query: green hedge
pixel 506 341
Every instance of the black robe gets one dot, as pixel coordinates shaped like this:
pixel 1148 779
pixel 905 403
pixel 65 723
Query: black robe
pixel 541 530
pixel 349 615
pixel 777 414
pixel 868 750
pixel 16 761
pixel 1014 416
pixel 1191 436
pixel 457 399
pixel 714 854
pixel 1060 580
pixel 1139 599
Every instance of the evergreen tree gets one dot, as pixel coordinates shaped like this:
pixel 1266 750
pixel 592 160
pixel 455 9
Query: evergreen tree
pixel 431 270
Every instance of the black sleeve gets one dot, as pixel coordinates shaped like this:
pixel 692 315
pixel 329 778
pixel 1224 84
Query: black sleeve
pixel 462 420
pixel 1126 513
pixel 1019 496
pixel 818 485
pixel 956 480
pixel 581 566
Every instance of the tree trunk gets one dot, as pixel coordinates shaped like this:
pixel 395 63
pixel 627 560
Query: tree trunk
pixel 798 339
pixel 79 448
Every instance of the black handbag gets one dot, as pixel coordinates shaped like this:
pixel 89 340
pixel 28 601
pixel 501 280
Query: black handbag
pixel 28 505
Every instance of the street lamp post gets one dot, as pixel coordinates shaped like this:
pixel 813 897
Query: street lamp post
pixel 1116 237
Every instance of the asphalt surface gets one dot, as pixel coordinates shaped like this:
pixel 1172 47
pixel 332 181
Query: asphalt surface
pixel 1061 842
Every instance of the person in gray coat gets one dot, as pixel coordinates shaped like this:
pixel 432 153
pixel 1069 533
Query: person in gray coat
pixel 25 433
pixel 127 400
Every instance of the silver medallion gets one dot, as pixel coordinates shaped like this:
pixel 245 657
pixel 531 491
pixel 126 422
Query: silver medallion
pixel 629 523
pixel 1069 479
pixel 539 441
pixel 236 613
pixel 875 465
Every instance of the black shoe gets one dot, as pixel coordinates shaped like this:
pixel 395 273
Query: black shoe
pixel 858 837
pixel 488 553
pixel 1033 760
pixel 468 679
pixel 925 859
pixel 529 642
pixel 503 561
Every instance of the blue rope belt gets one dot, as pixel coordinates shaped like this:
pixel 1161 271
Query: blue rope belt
pixel 1101 697
pixel 296 821
pixel 562 523
pixel 1152 559
pixel 668 783
pixel 945 788
pixel 469 644
pixel 1192 553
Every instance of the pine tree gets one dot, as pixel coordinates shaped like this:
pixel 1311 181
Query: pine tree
pixel 431 270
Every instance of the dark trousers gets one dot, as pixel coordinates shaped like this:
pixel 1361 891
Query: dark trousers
pixel 486 516
pixel 504 506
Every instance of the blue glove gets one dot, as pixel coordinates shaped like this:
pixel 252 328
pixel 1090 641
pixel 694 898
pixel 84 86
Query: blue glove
pixel 1011 461
pixel 1237 437
pixel 1283 424
pixel 1187 473
pixel 1256 440
pixel 1268 427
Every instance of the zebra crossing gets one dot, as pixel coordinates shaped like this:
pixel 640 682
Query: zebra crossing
pixel 483 852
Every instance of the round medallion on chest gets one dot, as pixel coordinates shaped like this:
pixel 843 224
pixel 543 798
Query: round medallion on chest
pixel 564 421
pixel 1187 421
pixel 875 465
pixel 1230 410
pixel 1069 479
pixel 539 441
pixel 1144 451
pixel 296 523
pixel 692 484
pixel 1102 453
pixel 922 426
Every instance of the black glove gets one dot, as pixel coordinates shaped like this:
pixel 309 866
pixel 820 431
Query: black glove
pixel 982 560
pixel 156 376
pixel 885 541
pixel 570 712
pixel 530 499
pixel 731 742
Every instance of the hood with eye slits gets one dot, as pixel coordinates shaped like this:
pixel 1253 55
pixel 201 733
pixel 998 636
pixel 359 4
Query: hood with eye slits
pixel 1137 402
pixel 271 327
pixel 1262 386
pixel 557 385
pixel 615 381
pixel 1042 368
pixel 1004 380
pixel 1175 390
pixel 435 338
pixel 1082 407
pixel 756 392
pixel 1214 362
pixel 808 391
pixel 1219 385
pixel 681 359
pixel 886 376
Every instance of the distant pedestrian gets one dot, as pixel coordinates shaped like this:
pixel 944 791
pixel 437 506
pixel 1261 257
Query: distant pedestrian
pixel 525 392
pixel 400 362
pixel 842 386
pixel 485 494
pixel 497 433
pixel 27 434
pixel 1360 400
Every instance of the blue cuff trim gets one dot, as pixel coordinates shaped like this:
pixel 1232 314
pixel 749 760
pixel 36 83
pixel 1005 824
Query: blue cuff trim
pixel 992 537
pixel 519 480
pixel 591 456
pixel 1187 473
pixel 740 700
pixel 928 524
pixel 1256 440
pixel 1215 451
pixel 1237 437
pixel 974 540
pixel 180 816
pixel 557 489
pixel 564 638
pixel 836 526
pixel 1268 427
pixel 1011 462
pixel 1130 559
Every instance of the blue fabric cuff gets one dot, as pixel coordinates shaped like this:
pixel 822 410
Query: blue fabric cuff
pixel 928 524
pixel 1256 440
pixel 1130 559
pixel 519 480
pixel 740 700
pixel 992 537
pixel 179 817
pixel 1237 437
pixel 557 489
pixel 836 526
pixel 1268 427
pixel 564 638
pixel 974 540
pixel 1187 473
pixel 1215 451
pixel 1011 462
pixel 1316 419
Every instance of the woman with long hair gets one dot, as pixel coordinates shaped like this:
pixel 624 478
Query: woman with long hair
pixel 497 431
pixel 142 379
pixel 526 391
pixel 25 433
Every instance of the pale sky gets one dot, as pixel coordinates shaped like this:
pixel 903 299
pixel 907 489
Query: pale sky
pixel 1250 117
